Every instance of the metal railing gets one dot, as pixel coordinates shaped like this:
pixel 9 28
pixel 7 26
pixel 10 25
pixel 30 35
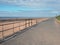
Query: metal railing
pixel 10 27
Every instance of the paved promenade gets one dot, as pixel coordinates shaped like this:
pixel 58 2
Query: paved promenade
pixel 45 33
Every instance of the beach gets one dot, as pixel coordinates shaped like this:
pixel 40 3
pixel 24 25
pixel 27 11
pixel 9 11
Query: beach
pixel 8 28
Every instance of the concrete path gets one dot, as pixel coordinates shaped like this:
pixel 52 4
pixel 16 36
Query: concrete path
pixel 45 33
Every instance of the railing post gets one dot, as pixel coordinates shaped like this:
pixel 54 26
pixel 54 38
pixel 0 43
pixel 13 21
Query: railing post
pixel 25 23
pixel 31 22
pixel 36 21
pixel 19 25
pixel 28 23
pixel 2 32
pixel 13 28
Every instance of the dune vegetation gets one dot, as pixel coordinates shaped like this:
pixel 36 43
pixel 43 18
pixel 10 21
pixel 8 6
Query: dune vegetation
pixel 58 17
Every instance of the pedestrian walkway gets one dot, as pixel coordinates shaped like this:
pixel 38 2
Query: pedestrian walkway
pixel 45 33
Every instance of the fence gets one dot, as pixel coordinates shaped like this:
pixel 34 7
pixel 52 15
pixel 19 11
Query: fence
pixel 10 27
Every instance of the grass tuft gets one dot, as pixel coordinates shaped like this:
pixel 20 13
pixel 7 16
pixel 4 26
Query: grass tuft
pixel 58 17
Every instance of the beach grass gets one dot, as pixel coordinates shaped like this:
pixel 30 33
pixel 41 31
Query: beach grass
pixel 58 17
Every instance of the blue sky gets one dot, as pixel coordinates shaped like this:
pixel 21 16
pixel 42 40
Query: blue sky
pixel 29 8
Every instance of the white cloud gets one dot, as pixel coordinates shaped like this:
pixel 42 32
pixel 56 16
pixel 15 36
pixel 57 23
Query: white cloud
pixel 35 3
pixel 25 2
pixel 55 4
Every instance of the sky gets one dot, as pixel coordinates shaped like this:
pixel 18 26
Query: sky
pixel 29 8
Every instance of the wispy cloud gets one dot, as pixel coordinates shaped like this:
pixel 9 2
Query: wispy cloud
pixel 33 3
pixel 45 7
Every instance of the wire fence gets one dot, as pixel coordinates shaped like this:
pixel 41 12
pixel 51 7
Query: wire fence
pixel 10 27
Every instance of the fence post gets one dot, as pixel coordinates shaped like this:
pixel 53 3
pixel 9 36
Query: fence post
pixel 19 25
pixel 2 32
pixel 36 21
pixel 31 22
pixel 25 23
pixel 13 28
